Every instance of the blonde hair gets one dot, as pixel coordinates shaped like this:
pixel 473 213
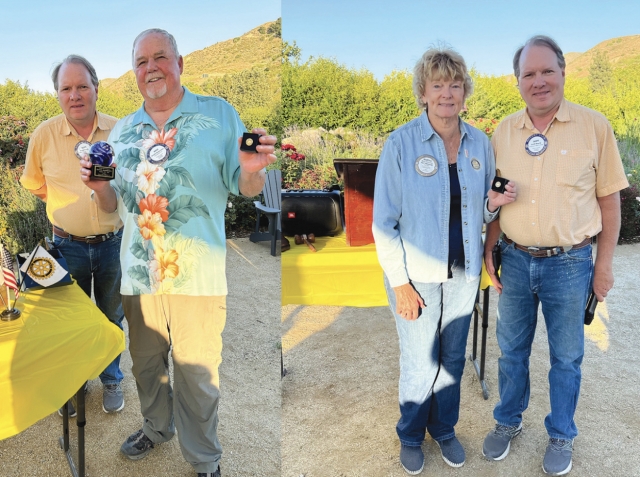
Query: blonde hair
pixel 440 63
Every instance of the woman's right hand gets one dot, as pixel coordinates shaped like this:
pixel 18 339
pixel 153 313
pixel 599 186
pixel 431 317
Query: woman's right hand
pixel 408 302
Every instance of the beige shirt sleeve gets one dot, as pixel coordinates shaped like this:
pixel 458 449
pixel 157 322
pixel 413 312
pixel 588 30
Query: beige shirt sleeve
pixel 32 177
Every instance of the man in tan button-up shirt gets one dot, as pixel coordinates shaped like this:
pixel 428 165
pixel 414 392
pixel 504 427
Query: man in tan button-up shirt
pixel 87 237
pixel 565 162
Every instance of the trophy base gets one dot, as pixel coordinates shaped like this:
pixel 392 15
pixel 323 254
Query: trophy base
pixel 102 173
pixel 10 315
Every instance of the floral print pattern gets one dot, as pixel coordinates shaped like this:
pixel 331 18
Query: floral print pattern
pixel 149 192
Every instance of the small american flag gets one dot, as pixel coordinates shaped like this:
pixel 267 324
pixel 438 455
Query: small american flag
pixel 7 271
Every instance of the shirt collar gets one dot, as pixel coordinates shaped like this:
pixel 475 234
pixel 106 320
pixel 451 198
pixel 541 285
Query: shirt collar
pixel 66 129
pixel 188 104
pixel 562 114
pixel 427 130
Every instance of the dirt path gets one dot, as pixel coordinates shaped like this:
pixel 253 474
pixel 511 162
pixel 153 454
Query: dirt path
pixel 340 394
pixel 249 410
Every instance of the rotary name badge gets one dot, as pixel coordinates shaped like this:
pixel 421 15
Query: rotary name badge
pixel 158 153
pixel 426 165
pixel 81 149
pixel 536 144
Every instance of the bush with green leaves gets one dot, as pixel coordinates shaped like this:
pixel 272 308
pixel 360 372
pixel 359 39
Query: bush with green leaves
pixel 240 215
pixel 23 220
pixel 630 213
pixel 629 146
pixel 309 165
pixel 14 139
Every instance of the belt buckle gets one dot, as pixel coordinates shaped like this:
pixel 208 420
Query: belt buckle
pixel 89 237
pixel 533 249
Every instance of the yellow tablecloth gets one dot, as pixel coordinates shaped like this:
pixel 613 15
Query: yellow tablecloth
pixel 61 340
pixel 336 274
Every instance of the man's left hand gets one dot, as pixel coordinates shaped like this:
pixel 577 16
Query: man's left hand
pixel 496 199
pixel 602 282
pixel 251 162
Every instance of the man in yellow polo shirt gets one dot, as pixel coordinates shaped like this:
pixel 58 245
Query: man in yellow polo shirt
pixel 88 238
pixel 565 162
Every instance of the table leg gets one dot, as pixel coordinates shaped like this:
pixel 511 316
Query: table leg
pixel 64 440
pixel 476 307
pixel 479 367
pixel 81 421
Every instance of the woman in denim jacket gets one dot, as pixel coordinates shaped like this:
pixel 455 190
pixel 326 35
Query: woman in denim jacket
pixel 432 195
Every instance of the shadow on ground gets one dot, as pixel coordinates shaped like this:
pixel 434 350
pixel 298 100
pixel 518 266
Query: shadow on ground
pixel 249 408
pixel 340 395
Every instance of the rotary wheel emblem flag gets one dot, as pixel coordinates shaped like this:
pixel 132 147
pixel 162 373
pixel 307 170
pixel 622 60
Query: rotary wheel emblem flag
pixel 42 268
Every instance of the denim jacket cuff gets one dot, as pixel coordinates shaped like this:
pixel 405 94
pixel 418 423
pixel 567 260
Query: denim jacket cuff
pixel 398 279
pixel 490 216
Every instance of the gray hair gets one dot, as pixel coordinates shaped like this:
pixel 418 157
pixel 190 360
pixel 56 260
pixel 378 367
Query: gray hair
pixel 538 40
pixel 77 60
pixel 440 62
pixel 160 31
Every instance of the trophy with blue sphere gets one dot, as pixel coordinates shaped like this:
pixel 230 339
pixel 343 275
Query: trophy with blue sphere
pixel 101 155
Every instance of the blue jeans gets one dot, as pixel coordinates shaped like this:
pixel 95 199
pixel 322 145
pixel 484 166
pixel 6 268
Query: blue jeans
pixel 432 357
pixel 100 262
pixel 561 284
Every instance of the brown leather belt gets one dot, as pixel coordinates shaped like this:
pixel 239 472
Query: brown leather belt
pixel 542 252
pixel 57 231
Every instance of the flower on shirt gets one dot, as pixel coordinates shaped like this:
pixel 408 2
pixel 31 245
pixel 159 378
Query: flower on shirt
pixel 149 176
pixel 161 137
pixel 150 225
pixel 164 264
pixel 156 204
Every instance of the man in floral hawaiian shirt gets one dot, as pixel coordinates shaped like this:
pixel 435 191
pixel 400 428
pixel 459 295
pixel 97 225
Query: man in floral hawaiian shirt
pixel 177 160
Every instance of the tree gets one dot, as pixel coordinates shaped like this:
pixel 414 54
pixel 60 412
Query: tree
pixel 397 105
pixel 600 72
pixel 290 52
pixel 275 28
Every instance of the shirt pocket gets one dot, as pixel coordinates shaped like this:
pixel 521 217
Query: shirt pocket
pixel 576 169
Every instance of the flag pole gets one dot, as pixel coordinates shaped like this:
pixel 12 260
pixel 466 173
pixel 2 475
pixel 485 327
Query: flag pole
pixel 13 313
pixel 10 314
pixel 33 255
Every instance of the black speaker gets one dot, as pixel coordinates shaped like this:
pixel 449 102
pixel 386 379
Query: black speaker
pixel 311 211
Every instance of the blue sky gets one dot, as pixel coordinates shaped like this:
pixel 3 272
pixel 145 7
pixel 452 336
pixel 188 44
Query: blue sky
pixel 35 34
pixel 383 36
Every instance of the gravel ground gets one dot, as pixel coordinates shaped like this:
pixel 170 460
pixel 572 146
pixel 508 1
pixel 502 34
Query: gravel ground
pixel 340 395
pixel 249 409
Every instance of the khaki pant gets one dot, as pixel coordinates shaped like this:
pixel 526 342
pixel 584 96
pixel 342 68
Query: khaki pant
pixel 191 326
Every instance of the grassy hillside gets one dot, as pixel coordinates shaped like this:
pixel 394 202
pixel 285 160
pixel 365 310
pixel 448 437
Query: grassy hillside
pixel 622 51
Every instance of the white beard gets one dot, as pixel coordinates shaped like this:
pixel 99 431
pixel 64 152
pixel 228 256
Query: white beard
pixel 154 93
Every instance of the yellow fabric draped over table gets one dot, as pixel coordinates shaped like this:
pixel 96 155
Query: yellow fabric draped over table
pixel 336 274
pixel 61 340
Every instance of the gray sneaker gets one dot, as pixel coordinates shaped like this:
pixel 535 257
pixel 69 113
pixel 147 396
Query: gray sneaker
pixel 70 407
pixel 112 398
pixel 557 458
pixel 411 459
pixel 72 402
pixel 452 452
pixel 136 446
pixel 498 442
pixel 214 474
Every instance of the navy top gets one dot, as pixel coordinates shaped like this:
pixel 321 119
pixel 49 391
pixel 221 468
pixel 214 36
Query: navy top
pixel 456 249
